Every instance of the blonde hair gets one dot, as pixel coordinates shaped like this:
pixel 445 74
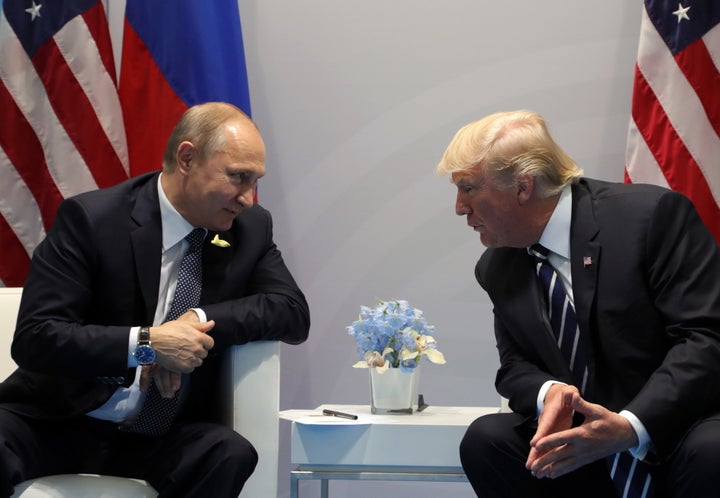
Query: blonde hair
pixel 509 144
pixel 202 125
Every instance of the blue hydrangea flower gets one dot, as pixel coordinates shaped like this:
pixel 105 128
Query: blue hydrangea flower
pixel 393 335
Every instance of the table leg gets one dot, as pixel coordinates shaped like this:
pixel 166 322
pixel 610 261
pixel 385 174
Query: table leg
pixel 293 486
pixel 324 488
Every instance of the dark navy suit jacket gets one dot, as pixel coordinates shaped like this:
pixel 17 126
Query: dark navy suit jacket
pixel 646 283
pixel 97 274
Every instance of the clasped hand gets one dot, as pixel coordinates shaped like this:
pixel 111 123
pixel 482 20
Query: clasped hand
pixel 180 346
pixel 558 448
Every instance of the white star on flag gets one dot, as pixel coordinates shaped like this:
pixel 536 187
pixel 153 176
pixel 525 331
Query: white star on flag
pixel 682 13
pixel 34 11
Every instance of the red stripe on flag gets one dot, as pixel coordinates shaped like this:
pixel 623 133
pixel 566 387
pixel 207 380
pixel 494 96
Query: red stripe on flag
pixel 677 164
pixel 24 151
pixel 626 177
pixel 78 116
pixel 50 162
pixel 698 67
pixel 97 25
pixel 147 133
pixel 15 262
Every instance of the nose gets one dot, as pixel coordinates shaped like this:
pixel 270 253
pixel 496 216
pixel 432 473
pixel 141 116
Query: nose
pixel 461 208
pixel 246 198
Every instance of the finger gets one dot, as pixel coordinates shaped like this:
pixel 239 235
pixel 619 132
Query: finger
pixel 146 374
pixel 546 426
pixel 557 440
pixel 189 316
pixel 533 455
pixel 579 404
pixel 551 463
pixel 168 383
pixel 160 384
pixel 175 382
pixel 549 471
pixel 557 469
pixel 208 342
pixel 540 468
pixel 205 326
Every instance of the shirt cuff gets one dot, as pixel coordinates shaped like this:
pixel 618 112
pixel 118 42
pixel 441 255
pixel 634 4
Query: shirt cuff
pixel 201 314
pixel 541 395
pixel 644 442
pixel 132 347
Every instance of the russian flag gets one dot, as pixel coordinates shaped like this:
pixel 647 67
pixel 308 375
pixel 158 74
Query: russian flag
pixel 175 54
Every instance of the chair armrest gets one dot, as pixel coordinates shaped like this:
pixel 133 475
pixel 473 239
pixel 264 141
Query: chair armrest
pixel 9 305
pixel 253 374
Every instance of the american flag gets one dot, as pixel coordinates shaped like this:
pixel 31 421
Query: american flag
pixel 674 136
pixel 61 127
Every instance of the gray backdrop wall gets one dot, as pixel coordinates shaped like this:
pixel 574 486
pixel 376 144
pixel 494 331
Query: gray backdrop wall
pixel 357 100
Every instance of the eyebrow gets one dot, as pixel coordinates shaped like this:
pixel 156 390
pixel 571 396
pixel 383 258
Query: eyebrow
pixel 467 182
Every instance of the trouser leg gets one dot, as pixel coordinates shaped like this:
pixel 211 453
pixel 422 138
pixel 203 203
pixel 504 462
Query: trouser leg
pixel 193 460
pixel 493 454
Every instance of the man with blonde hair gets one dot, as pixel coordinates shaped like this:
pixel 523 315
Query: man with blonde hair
pixel 607 320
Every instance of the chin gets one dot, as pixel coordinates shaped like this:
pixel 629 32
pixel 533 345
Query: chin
pixel 222 227
pixel 222 223
pixel 487 241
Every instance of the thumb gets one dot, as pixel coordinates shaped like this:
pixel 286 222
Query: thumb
pixel 580 405
pixel 205 327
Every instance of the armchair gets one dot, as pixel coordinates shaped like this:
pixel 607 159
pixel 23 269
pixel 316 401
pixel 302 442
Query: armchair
pixel 252 384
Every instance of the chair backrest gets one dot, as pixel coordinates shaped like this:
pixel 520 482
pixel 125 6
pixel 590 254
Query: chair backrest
pixel 254 369
pixel 9 304
pixel 252 383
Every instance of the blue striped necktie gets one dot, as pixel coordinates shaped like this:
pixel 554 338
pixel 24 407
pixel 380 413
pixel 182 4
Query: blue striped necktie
pixel 157 413
pixel 629 475
pixel 562 317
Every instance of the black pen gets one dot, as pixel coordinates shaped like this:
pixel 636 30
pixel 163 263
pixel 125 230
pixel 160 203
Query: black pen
pixel 334 413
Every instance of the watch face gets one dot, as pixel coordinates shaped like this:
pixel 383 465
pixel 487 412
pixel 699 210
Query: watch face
pixel 145 354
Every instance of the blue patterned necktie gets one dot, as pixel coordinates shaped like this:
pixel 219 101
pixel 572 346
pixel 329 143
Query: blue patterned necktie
pixel 157 413
pixel 629 475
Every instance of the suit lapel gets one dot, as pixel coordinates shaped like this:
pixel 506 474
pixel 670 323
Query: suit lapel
pixel 585 253
pixel 147 244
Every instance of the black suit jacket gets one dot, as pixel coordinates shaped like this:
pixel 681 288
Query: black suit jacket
pixel 97 273
pixel 648 307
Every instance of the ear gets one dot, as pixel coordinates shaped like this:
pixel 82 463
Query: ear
pixel 525 188
pixel 185 153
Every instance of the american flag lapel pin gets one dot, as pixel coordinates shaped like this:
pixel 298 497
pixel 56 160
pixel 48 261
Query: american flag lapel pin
pixel 587 261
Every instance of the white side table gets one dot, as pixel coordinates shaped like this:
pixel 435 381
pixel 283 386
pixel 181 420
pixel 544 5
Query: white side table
pixel 418 447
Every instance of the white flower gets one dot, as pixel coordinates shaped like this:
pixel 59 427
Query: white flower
pixel 393 335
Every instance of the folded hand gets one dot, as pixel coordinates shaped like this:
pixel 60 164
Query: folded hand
pixel 557 448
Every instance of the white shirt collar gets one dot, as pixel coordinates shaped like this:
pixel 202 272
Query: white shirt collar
pixel 556 236
pixel 174 226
